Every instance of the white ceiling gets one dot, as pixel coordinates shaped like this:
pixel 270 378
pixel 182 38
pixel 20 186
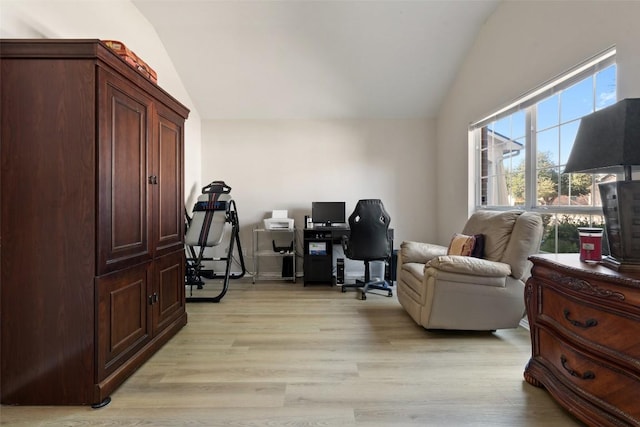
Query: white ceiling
pixel 317 59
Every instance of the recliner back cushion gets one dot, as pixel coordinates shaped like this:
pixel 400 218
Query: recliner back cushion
pixel 525 240
pixel 496 227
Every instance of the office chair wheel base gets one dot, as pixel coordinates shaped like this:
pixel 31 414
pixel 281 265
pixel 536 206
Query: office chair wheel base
pixel 344 289
pixel 390 294
pixel 363 296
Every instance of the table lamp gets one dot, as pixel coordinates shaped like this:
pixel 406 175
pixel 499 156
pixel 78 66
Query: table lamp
pixel 608 141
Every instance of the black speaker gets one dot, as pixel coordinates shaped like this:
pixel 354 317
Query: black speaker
pixel 340 271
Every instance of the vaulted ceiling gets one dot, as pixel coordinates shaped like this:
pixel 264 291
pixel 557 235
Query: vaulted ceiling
pixel 317 59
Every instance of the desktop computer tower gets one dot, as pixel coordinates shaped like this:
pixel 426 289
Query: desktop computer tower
pixel 390 268
pixel 287 266
pixel 340 271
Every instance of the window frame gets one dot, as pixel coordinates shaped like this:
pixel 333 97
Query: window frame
pixel 527 103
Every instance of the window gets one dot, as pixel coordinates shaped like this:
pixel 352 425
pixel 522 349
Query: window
pixel 522 149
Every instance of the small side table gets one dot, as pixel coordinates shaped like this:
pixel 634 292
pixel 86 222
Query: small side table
pixel 262 249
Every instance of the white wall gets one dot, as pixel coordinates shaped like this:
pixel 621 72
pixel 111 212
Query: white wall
pixel 279 164
pixel 287 164
pixel 270 164
pixel 522 45
pixel 107 19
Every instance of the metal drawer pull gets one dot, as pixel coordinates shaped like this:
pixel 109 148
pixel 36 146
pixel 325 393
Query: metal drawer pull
pixel 590 323
pixel 588 375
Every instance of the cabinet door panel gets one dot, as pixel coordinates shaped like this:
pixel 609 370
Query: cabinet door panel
pixel 168 193
pixel 123 200
pixel 169 278
pixel 123 316
pixel 48 225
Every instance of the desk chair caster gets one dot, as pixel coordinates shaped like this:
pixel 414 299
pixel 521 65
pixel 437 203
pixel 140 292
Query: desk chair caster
pixel 369 285
pixel 383 287
pixel 364 295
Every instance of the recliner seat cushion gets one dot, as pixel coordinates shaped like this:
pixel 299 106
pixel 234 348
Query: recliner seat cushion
pixel 472 266
pixel 496 281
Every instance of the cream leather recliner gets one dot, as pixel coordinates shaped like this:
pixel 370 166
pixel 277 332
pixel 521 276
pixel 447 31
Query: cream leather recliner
pixel 441 291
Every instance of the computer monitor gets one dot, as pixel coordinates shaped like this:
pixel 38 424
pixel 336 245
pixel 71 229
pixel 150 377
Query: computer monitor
pixel 327 213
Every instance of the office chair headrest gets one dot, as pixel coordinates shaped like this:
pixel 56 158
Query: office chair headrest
pixel 372 208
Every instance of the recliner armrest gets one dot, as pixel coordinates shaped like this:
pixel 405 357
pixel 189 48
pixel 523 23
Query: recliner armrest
pixel 420 252
pixel 470 265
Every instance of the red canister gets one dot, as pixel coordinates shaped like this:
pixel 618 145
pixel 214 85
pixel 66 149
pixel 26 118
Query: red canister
pixel 590 243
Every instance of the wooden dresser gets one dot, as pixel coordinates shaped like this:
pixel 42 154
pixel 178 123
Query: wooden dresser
pixel 92 229
pixel 585 336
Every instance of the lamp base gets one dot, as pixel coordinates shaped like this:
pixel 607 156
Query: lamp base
pixel 621 209
pixel 616 265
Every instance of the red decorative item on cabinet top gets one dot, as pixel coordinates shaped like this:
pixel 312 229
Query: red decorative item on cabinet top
pixel 132 59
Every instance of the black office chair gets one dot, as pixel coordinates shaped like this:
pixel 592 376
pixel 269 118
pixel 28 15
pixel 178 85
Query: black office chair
pixel 369 241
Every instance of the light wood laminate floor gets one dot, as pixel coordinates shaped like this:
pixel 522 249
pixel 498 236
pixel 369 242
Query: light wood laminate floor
pixel 280 354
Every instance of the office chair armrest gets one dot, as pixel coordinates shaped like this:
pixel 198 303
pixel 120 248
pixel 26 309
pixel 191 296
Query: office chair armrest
pixel 419 252
pixel 345 244
pixel 470 265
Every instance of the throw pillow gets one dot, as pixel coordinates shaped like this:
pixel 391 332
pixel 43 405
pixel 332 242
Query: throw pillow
pixel 461 244
pixel 478 247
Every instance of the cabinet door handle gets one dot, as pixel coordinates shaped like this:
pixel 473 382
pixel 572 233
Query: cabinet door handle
pixel 590 323
pixel 588 375
pixel 153 179
pixel 150 299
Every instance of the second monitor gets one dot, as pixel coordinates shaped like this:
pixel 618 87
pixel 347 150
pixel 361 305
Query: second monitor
pixel 328 213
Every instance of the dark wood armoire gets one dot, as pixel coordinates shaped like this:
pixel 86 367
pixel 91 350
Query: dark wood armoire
pixel 92 228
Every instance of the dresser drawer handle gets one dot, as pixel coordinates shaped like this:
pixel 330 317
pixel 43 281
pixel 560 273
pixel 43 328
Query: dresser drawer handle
pixel 590 323
pixel 588 375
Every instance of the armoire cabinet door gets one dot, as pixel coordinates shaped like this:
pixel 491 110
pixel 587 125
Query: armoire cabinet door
pixel 168 200
pixel 168 297
pixel 123 209
pixel 92 262
pixel 124 317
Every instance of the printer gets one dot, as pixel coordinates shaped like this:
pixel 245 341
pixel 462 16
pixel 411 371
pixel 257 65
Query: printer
pixel 278 221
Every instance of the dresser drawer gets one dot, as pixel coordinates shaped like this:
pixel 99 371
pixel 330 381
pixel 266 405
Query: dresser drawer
pixel 615 388
pixel 601 328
